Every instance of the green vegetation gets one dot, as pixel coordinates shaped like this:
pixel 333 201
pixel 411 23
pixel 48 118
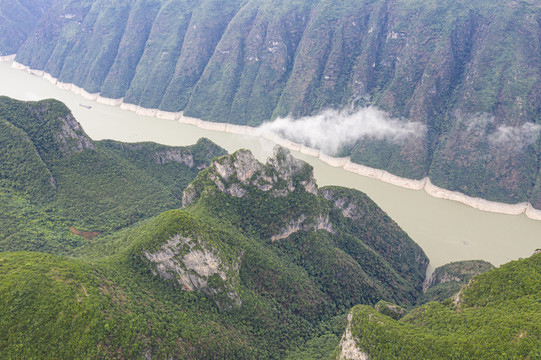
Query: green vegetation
pixel 19 18
pixel 448 279
pixel 54 177
pixel 260 264
pixel 467 70
pixel 498 315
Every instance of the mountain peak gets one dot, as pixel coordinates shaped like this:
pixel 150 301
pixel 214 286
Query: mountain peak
pixel 234 174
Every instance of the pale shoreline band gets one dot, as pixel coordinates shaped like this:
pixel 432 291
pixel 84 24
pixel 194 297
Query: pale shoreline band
pixel 422 184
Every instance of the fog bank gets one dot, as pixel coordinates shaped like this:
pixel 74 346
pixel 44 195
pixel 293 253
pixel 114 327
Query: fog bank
pixel 331 130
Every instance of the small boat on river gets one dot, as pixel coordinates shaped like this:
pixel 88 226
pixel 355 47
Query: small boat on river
pixel 86 106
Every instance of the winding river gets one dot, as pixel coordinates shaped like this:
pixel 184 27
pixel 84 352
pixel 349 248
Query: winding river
pixel 446 230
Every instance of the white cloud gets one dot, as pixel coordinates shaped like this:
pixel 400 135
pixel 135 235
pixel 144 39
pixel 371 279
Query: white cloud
pixel 516 136
pixel 330 130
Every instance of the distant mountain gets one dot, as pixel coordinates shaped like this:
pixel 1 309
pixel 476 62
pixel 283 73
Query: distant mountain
pixel 54 177
pixel 19 18
pixel 257 262
pixel 467 71
pixel 497 315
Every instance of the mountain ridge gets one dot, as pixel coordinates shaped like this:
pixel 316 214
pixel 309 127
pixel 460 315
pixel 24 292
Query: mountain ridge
pixel 468 71
pixel 425 184
pixel 494 315
pixel 258 260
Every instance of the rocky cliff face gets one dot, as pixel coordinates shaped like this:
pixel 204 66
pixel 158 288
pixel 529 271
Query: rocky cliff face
pixel 197 267
pixel 279 176
pixel 467 71
pixel 349 349
pixel 71 138
pixel 447 280
pixel 280 204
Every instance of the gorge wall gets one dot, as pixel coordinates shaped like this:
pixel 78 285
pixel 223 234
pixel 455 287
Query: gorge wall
pixel 468 72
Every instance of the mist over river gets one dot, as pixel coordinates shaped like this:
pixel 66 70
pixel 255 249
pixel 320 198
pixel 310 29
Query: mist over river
pixel 446 230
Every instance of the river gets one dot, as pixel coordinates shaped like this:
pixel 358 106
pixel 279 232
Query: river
pixel 446 230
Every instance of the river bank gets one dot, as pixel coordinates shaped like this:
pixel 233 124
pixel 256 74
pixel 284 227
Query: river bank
pixel 345 163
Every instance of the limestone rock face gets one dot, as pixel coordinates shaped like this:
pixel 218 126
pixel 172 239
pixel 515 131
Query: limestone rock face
pixel 233 174
pixel 301 224
pixel 72 138
pixel 173 155
pixel 196 267
pixel 348 345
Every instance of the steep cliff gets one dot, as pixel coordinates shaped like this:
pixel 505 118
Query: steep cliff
pixel 448 279
pixel 53 177
pixel 496 314
pixel 466 71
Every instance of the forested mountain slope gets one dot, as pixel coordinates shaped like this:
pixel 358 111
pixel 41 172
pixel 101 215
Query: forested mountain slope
pixel 259 261
pixel 18 19
pixel 54 177
pixel 467 71
pixel 496 316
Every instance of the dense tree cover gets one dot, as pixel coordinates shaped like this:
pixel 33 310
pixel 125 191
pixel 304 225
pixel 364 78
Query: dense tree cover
pixel 497 316
pixel 466 70
pixel 107 298
pixel 296 256
pixel 128 310
pixel 53 177
pixel 448 279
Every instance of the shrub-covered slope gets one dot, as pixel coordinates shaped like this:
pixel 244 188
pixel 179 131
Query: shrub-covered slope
pixel 53 177
pixel 448 279
pixel 280 204
pixel 259 261
pixel 18 20
pixel 467 70
pixel 496 316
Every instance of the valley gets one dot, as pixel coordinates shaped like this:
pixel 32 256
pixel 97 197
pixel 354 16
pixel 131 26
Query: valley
pixel 446 230
pixel 270 179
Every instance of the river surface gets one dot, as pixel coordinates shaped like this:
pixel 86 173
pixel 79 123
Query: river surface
pixel 446 230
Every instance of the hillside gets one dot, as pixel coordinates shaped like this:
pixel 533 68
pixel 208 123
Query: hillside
pixel 19 18
pixel 462 78
pixel 497 315
pixel 53 178
pixel 259 261
pixel 448 279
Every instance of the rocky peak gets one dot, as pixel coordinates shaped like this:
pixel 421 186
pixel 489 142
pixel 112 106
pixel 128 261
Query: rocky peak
pixel 233 174
pixel 71 138
pixel 195 266
pixel 242 164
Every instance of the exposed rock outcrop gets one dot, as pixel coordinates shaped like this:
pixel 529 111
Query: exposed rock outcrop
pixel 348 209
pixel 196 267
pixel 448 279
pixel 173 155
pixel 234 174
pixel 304 224
pixel 71 138
pixel 348 345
